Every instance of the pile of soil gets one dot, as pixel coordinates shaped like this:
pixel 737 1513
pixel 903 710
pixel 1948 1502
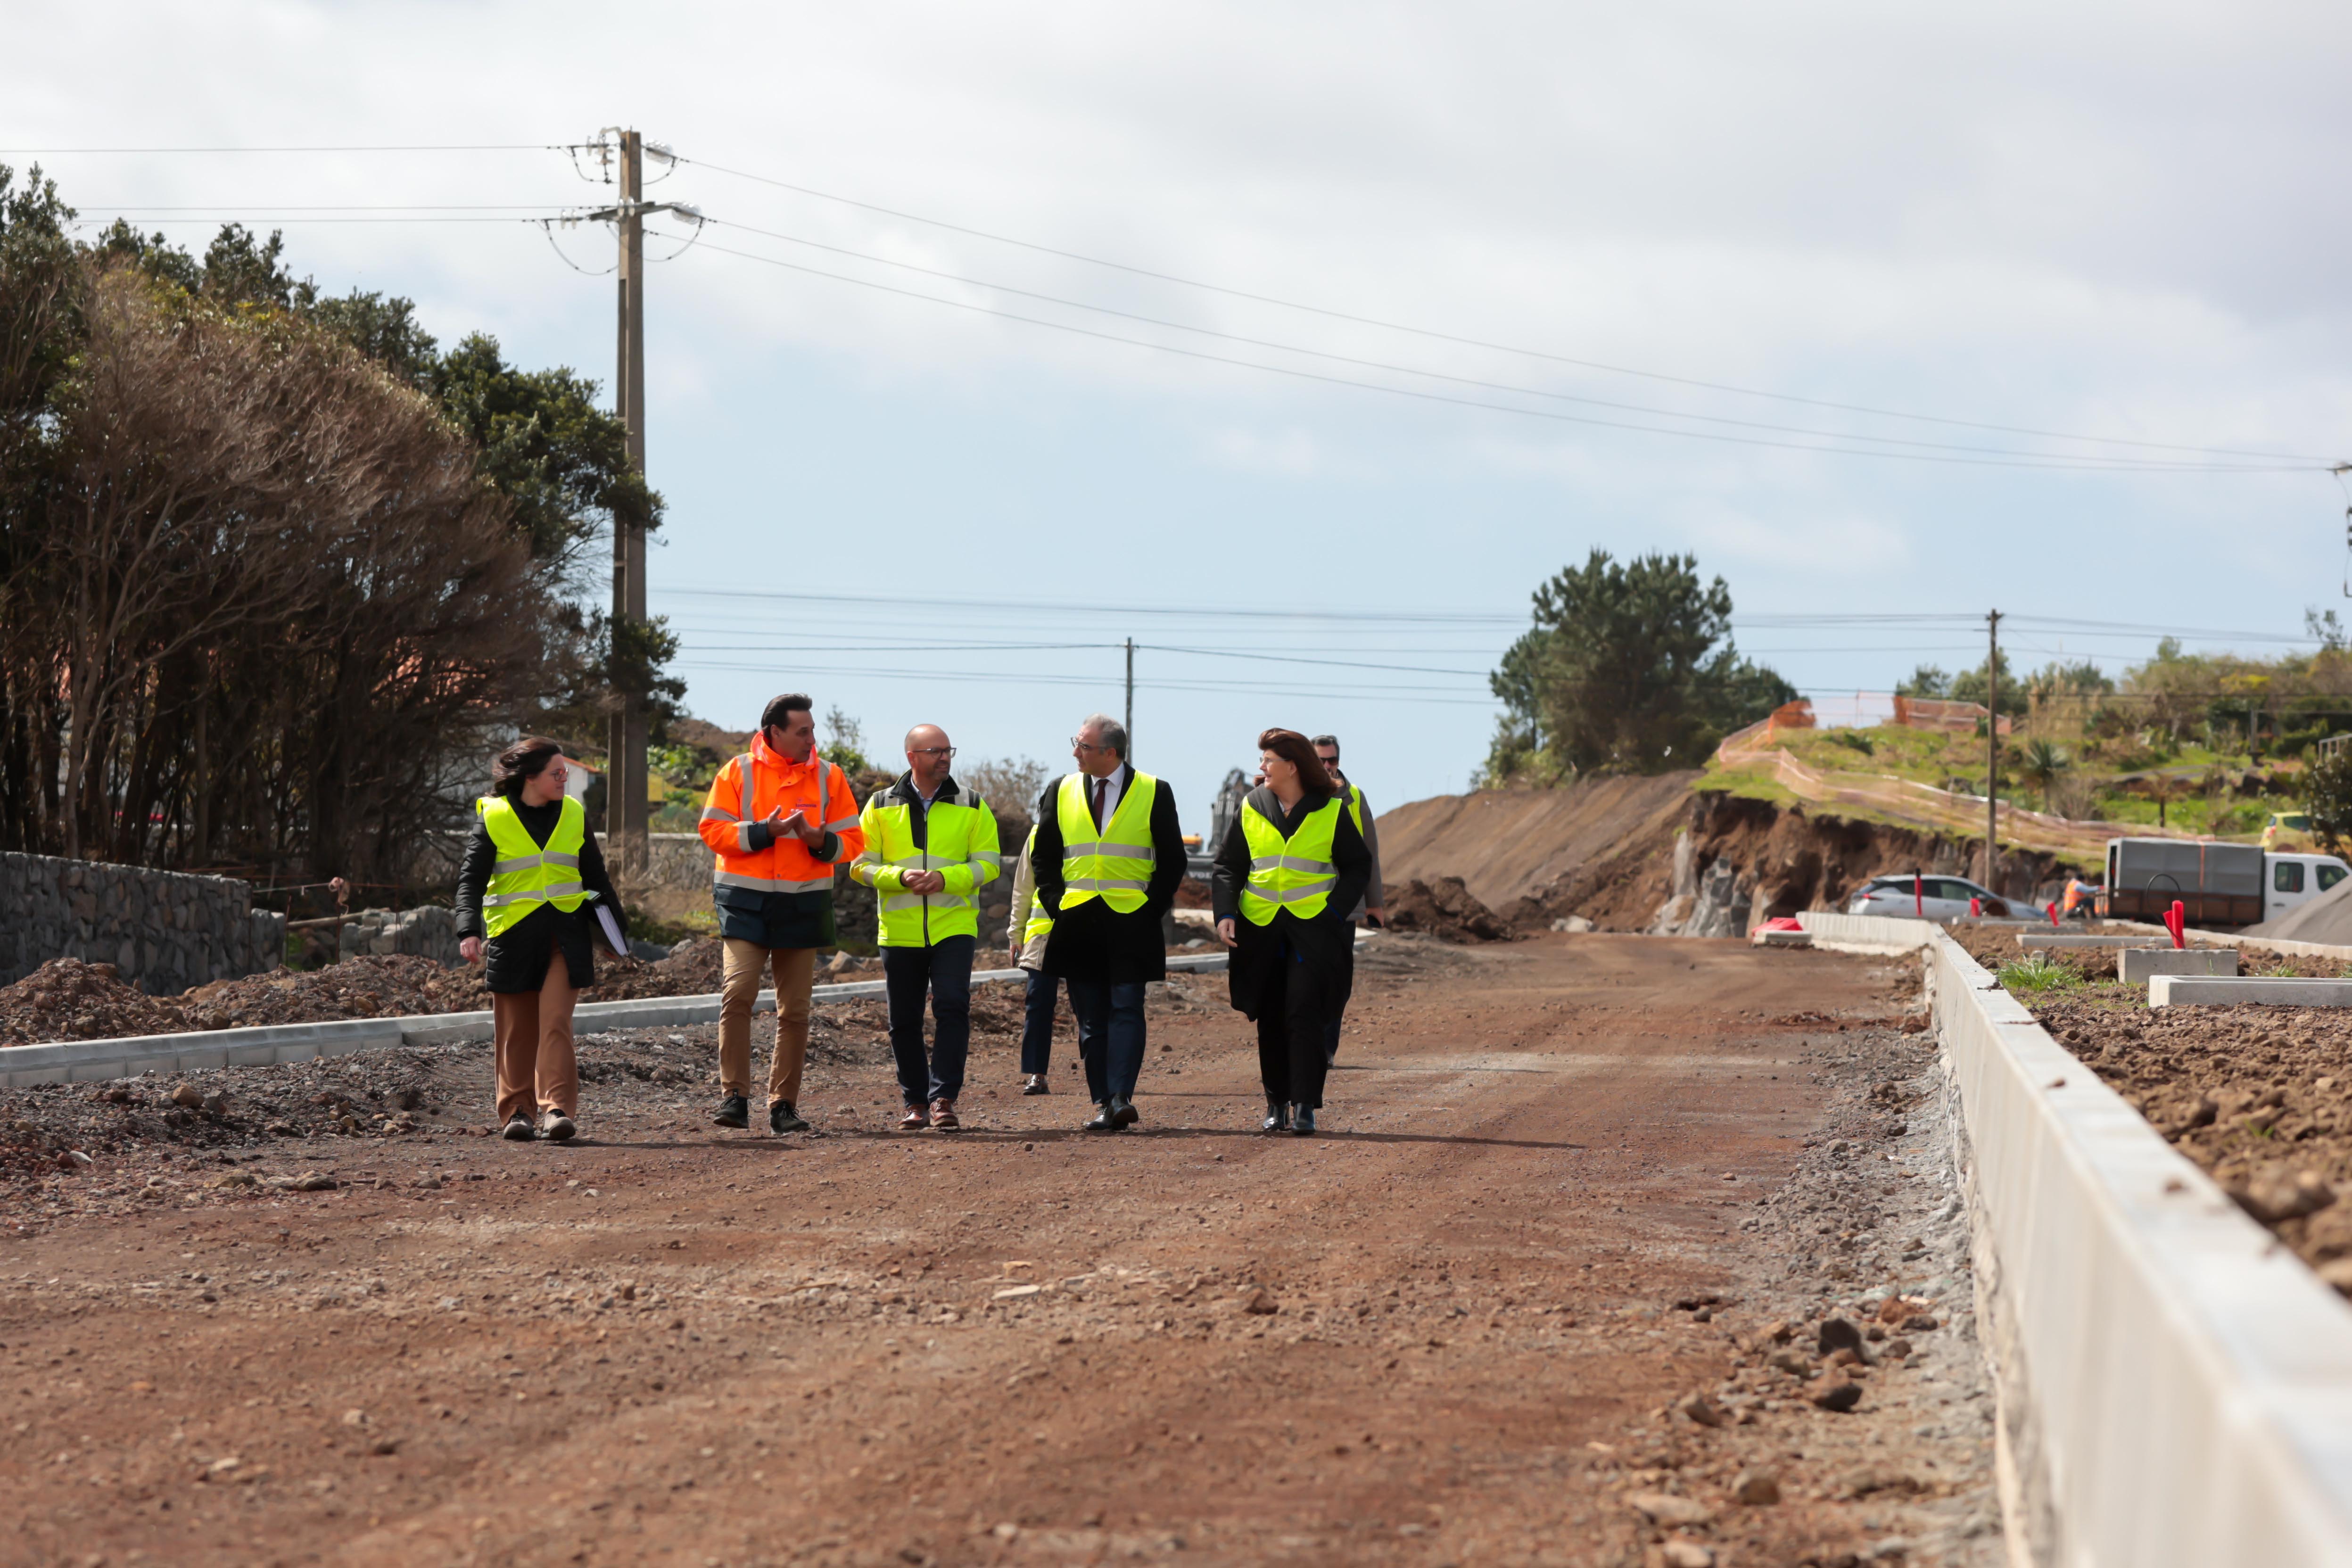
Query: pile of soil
pixel 65 999
pixel 1444 908
pixel 2326 918
pixel 2260 1096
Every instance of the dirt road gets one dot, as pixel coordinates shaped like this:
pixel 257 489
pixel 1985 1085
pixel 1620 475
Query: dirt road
pixel 1021 1343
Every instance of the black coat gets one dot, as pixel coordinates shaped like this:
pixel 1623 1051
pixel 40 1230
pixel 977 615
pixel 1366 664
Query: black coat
pixel 518 957
pixel 1094 942
pixel 1328 942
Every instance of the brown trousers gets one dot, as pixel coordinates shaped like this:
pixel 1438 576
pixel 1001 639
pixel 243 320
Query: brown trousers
pixel 795 971
pixel 537 1069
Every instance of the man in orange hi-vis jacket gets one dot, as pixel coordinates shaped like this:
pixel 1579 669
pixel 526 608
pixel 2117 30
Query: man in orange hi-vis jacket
pixel 779 818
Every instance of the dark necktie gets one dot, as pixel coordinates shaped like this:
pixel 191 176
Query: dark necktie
pixel 1099 805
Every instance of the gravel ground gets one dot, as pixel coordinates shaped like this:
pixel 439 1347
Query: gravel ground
pixel 1566 1281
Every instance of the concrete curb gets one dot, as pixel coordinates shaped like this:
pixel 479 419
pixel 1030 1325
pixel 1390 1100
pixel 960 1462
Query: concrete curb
pixel 2173 1383
pixel 2231 991
pixel 2237 940
pixel 89 1061
pixel 2031 940
pixel 1867 933
pixel 2139 965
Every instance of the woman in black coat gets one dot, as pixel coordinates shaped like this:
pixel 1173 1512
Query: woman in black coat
pixel 540 962
pixel 1291 867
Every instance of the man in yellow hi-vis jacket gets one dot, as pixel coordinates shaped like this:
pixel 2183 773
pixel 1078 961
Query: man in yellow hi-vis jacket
pixel 931 847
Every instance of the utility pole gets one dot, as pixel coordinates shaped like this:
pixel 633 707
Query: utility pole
pixel 1129 718
pixel 624 774
pixel 625 778
pixel 1992 739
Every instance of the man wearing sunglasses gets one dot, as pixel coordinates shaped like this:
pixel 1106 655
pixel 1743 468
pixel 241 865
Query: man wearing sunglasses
pixel 1107 856
pixel 931 847
pixel 1368 908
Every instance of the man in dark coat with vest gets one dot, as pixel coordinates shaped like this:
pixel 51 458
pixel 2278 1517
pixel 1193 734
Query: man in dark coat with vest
pixel 1107 952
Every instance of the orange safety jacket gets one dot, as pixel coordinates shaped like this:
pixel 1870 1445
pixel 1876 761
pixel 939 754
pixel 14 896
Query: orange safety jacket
pixel 753 784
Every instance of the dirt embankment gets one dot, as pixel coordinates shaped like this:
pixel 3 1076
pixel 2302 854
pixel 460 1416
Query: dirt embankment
pixel 1506 843
pixel 1651 855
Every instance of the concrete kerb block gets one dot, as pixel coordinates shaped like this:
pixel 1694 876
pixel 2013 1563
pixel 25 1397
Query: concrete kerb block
pixel 2137 965
pixel 2203 991
pixel 2067 941
pixel 91 1061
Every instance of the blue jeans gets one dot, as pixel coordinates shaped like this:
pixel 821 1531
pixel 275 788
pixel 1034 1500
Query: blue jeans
pixel 1037 1022
pixel 1110 1036
pixel 943 970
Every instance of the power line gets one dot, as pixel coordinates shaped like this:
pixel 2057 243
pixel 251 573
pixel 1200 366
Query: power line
pixel 2052 464
pixel 430 147
pixel 1482 343
pixel 1406 369
pixel 1065 606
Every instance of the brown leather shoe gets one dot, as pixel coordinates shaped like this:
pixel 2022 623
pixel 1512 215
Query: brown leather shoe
pixel 916 1118
pixel 943 1116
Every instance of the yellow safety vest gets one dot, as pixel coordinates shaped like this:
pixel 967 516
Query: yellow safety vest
pixel 1116 867
pixel 1356 807
pixel 959 837
pixel 1040 922
pixel 1294 873
pixel 524 876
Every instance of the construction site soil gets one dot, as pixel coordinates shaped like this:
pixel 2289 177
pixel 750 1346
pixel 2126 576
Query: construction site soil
pixel 2260 1096
pixel 1613 1251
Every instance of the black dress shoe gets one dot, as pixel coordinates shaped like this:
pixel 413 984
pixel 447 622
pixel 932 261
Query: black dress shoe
pixel 1302 1121
pixel 1105 1118
pixel 1036 1085
pixel 735 1110
pixel 1122 1110
pixel 1278 1117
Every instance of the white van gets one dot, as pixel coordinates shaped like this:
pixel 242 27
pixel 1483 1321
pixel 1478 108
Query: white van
pixel 2291 880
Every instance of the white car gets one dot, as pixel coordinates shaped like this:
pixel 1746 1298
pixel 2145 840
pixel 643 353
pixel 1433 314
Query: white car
pixel 1930 898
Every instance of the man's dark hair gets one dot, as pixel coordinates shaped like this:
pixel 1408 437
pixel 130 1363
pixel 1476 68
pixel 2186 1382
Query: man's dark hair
pixel 779 708
pixel 1319 741
pixel 526 759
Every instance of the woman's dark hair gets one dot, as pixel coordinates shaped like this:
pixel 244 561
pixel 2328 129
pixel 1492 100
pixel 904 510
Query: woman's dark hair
pixel 1295 749
pixel 526 759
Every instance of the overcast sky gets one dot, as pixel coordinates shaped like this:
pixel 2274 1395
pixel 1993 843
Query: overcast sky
pixel 2117 222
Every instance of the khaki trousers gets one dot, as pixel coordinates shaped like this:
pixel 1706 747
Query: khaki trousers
pixel 537 1068
pixel 795 971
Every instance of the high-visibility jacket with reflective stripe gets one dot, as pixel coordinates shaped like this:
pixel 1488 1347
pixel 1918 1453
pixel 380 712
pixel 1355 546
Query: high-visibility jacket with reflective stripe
pixel 958 841
pixel 1113 865
pixel 1039 923
pixel 525 876
pixel 1294 873
pixel 750 787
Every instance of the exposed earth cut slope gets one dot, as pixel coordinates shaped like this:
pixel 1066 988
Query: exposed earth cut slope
pixel 1651 854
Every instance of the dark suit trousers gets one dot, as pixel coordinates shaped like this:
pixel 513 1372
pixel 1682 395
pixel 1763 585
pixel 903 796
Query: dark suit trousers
pixel 1037 1022
pixel 943 970
pixel 1293 1013
pixel 1110 1036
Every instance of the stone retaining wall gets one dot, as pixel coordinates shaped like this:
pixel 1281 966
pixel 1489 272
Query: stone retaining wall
pixel 162 931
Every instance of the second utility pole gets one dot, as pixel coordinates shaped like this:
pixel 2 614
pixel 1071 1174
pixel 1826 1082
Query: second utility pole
pixel 1129 719
pixel 1992 739
pixel 624 777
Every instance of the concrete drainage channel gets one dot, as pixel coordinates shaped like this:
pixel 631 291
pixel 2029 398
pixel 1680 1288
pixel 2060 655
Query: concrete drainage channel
pixel 86 1061
pixel 2173 1383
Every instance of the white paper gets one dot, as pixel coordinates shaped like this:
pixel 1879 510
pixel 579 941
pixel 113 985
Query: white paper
pixel 611 932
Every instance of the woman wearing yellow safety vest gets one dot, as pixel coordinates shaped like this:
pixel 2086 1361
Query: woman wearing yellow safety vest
pixel 523 894
pixel 1291 867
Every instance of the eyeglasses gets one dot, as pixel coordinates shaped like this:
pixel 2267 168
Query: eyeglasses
pixel 932 751
pixel 1089 745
